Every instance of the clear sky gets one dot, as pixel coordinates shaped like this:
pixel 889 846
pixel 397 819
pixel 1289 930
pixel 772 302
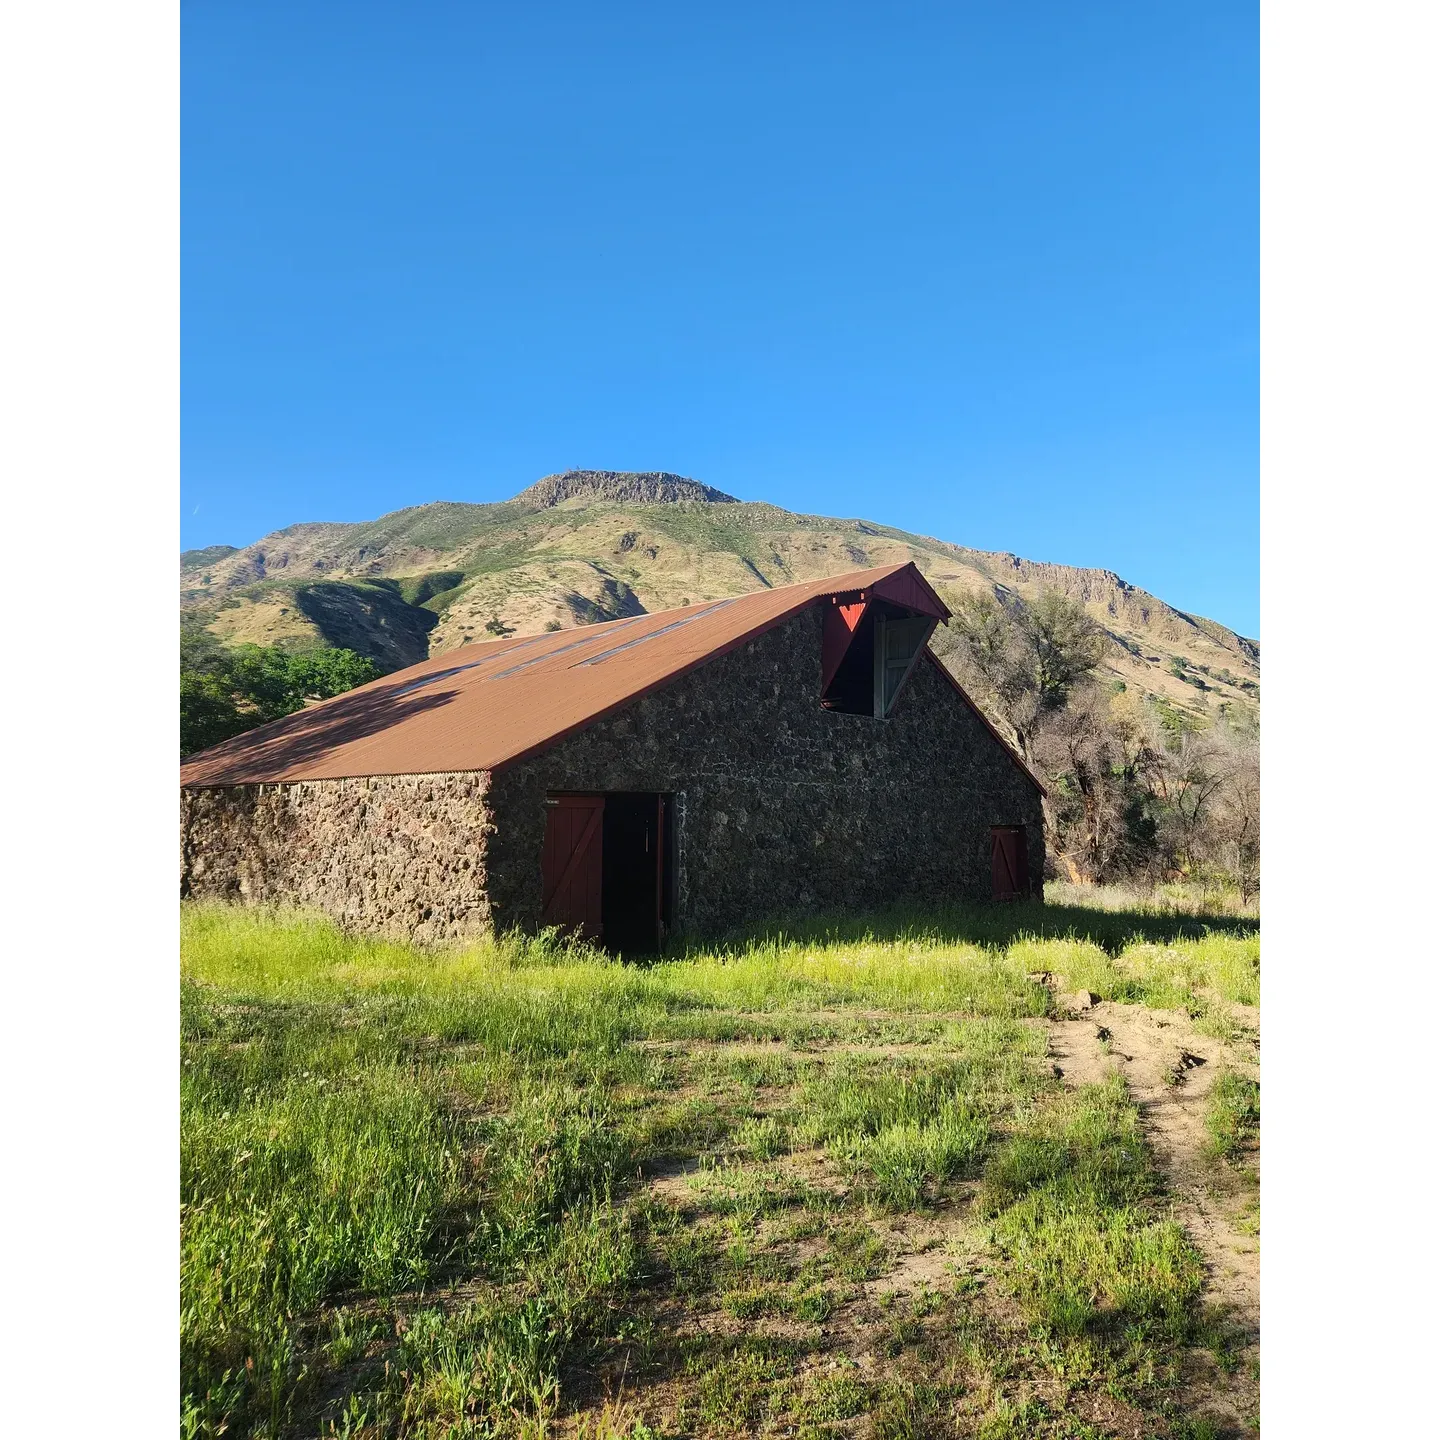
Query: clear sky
pixel 987 271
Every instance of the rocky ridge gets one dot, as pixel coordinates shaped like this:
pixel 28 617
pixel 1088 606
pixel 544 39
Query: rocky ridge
pixel 590 545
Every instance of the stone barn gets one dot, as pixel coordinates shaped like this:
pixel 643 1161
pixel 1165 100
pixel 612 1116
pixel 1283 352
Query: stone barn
pixel 799 749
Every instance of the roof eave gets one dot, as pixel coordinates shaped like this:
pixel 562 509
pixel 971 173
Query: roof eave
pixel 876 577
pixel 984 719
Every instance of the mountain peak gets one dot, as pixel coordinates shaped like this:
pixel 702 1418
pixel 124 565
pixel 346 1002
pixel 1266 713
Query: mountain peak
pixel 624 486
pixel 429 578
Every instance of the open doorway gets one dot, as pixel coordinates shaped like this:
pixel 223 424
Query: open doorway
pixel 607 868
pixel 634 873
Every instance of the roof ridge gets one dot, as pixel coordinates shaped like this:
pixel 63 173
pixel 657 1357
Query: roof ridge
pixel 462 711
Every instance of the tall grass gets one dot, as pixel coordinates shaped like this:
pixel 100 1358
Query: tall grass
pixel 290 1195
pixel 365 1123
pixel 1195 898
pixel 1086 1251
pixel 1232 1115
pixel 331 1146
pixel 906 1124
pixel 907 965
pixel 1164 976
pixel 291 955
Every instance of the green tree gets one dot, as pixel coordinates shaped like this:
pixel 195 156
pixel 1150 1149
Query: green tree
pixel 225 691
pixel 1024 661
pixel 208 711
pixel 1065 645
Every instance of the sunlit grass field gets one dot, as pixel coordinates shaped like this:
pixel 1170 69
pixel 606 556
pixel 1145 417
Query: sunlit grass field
pixel 812 1181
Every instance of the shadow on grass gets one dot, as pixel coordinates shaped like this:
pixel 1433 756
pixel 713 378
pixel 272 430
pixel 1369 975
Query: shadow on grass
pixel 995 925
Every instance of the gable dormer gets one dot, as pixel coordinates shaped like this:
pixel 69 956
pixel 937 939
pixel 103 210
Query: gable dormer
pixel 872 639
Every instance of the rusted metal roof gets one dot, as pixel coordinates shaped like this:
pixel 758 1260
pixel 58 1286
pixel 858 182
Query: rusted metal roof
pixel 487 705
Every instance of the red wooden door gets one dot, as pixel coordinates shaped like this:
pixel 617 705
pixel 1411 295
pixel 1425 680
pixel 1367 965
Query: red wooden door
pixel 1009 863
pixel 570 863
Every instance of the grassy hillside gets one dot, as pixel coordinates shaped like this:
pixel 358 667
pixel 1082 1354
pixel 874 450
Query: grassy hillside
pixel 987 1172
pixel 592 545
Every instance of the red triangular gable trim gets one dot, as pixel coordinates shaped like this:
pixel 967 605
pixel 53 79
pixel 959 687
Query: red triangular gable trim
pixel 841 623
pixel 908 587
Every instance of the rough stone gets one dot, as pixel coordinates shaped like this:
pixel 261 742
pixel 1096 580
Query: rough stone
pixel 780 806
pixel 397 854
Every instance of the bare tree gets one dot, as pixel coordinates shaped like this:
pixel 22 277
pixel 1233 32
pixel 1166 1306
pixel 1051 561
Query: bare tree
pixel 1201 787
pixel 1077 750
pixel 1223 829
pixel 1022 663
pixel 1136 788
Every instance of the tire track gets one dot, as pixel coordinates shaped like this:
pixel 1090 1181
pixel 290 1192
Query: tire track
pixel 1169 1070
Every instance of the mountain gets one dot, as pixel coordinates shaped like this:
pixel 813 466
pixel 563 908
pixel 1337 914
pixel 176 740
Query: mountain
pixel 593 545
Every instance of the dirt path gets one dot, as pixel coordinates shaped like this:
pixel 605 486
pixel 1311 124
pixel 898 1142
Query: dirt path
pixel 1170 1068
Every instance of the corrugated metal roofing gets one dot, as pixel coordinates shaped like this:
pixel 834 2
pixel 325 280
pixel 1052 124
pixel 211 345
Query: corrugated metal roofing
pixel 486 705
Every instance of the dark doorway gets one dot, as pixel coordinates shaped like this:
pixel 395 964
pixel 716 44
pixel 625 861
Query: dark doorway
pixel 635 872
pixel 606 869
pixel 867 651
pixel 1009 863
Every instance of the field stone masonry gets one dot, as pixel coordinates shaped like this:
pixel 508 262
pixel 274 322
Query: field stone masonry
pixel 778 804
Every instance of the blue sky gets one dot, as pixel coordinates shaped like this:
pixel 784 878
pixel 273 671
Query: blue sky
pixel 985 271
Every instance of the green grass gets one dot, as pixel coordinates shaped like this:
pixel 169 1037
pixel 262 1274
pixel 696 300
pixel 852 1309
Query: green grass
pixel 1183 974
pixel 1069 1195
pixel 1176 898
pixel 906 1125
pixel 416 1196
pixel 1232 1115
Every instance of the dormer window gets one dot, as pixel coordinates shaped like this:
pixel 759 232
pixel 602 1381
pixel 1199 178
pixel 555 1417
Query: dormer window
pixel 898 644
pixel 869 647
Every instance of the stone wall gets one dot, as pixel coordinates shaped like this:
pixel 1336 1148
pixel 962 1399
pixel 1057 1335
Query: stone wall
pixel 785 806
pixel 400 854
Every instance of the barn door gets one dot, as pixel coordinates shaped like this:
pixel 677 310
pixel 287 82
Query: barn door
pixel 1009 863
pixel 570 864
